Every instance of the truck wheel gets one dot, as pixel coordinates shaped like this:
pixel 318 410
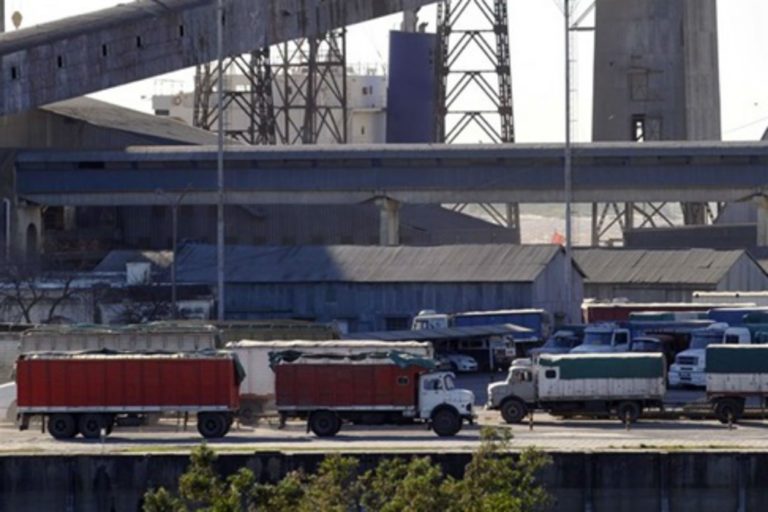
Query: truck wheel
pixel 62 426
pixel 446 423
pixel 513 411
pixel 628 411
pixel 211 425
pixel 250 411
pixel 728 410
pixel 90 425
pixel 324 424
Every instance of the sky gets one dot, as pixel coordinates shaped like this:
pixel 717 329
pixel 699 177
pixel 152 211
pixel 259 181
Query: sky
pixel 537 54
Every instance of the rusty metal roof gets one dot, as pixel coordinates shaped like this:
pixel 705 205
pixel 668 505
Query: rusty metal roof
pixel 690 266
pixel 447 263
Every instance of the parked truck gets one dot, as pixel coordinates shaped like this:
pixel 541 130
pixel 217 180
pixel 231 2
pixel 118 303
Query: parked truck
pixel 257 390
pixel 538 320
pixel 90 392
pixel 376 388
pixel 734 374
pixel 620 385
pixel 689 368
pixel 605 337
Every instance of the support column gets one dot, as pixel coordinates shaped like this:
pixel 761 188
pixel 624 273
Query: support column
pixel 762 221
pixel 389 221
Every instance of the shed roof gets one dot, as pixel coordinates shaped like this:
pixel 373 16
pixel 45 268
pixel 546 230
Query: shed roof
pixel 447 263
pixel 628 266
pixel 106 115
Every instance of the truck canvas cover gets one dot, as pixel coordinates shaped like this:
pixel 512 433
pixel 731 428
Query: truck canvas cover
pixel 606 366
pixel 737 369
pixel 601 376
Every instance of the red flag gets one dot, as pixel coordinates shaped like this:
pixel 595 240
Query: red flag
pixel 557 238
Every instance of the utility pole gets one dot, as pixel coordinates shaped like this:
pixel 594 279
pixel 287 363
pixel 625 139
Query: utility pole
pixel 568 169
pixel 220 163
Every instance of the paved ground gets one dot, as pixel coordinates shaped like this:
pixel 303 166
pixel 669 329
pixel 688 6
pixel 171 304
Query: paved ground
pixel 548 433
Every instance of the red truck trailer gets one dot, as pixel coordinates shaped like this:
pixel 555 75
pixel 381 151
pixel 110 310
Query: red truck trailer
pixel 90 392
pixel 381 390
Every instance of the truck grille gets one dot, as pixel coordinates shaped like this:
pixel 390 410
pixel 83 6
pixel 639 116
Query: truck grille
pixel 687 360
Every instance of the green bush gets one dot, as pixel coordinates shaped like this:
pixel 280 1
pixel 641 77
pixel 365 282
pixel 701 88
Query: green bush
pixel 493 481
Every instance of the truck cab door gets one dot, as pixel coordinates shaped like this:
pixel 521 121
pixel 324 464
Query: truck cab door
pixel 431 394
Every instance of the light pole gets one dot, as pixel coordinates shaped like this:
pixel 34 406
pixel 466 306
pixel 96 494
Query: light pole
pixel 220 161
pixel 567 165
pixel 175 243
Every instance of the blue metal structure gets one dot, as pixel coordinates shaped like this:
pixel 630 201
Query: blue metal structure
pixel 421 174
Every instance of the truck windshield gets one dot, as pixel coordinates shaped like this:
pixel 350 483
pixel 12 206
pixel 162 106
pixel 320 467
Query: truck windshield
pixel 701 339
pixel 449 384
pixel 597 338
pixel 561 342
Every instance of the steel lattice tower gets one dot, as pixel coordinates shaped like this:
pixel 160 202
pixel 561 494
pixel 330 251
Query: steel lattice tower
pixel 311 90
pixel 294 93
pixel 247 91
pixel 475 81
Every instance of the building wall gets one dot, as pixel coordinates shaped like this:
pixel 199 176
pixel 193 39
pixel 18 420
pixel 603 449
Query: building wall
pixel 550 294
pixel 371 306
pixel 643 293
pixel 745 275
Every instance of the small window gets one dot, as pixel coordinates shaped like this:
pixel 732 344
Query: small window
pixel 162 112
pixel 550 374
pixel 104 50
pixel 402 381
pixel 14 73
pixel 362 130
pixel 60 61
pixel 181 30
pixel 138 42
pixel 621 338
pixel 732 338
pixel 432 385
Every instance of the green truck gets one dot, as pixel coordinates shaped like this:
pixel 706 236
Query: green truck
pixel 735 373
pixel 596 385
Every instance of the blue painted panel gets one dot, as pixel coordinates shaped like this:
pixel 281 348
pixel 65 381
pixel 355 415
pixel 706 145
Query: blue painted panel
pixel 411 105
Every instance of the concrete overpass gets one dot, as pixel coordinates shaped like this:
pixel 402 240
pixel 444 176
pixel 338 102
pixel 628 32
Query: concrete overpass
pixel 394 174
pixel 146 38
pixel 421 174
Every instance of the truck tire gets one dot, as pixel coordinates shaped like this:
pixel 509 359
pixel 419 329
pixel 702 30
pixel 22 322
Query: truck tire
pixel 90 425
pixel 446 422
pixel 513 410
pixel 628 411
pixel 212 425
pixel 728 409
pixel 324 423
pixel 62 426
pixel 249 411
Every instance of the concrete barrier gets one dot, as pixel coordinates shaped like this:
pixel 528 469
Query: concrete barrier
pixel 594 482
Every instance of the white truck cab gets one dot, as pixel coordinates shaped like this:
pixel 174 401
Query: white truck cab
pixel 601 338
pixel 689 366
pixel 439 389
pixel 429 319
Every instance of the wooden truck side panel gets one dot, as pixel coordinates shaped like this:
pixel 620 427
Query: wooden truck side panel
pixel 307 386
pixel 126 382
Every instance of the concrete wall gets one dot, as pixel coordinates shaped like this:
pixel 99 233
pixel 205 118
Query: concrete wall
pixel 659 59
pixel 596 482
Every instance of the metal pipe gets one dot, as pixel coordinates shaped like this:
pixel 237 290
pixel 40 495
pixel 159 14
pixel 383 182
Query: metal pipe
pixel 220 162
pixel 568 168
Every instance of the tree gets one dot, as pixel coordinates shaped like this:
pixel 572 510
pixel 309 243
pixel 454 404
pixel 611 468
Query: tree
pixel 493 481
pixel 34 294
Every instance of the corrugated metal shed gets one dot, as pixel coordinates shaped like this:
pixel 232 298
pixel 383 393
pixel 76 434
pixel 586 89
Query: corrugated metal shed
pixel 106 115
pixel 115 261
pixel 371 264
pixel 692 266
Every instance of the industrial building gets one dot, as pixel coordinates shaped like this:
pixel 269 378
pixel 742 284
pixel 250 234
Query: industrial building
pixel 666 275
pixel 382 288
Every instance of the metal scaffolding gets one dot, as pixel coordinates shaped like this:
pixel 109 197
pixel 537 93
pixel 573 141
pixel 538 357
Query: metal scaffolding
pixel 475 82
pixel 248 105
pixel 310 78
